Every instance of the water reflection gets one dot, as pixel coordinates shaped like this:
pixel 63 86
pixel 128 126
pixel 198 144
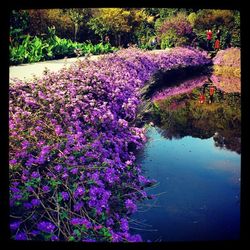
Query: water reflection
pixel 182 115
pixel 197 194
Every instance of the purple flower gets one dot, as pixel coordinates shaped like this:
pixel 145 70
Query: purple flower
pixel 38 128
pixel 110 222
pixel 75 221
pixel 35 202
pixel 15 190
pixel 86 223
pixel 27 205
pixel 89 106
pixel 54 238
pixel 35 232
pixel 65 195
pixel 74 170
pixel 46 227
pixel 21 236
pixel 45 150
pixel 35 175
pixel 58 168
pixel 30 189
pixel 25 144
pixel 46 189
pixel 135 238
pixel 130 206
pixel 89 240
pixel 124 224
pixel 15 183
pixel 65 176
pixel 13 161
pixel 80 221
pixel 15 225
pixel 58 130
pixel 40 160
pixel 82 159
pixel 79 191
pixel 78 206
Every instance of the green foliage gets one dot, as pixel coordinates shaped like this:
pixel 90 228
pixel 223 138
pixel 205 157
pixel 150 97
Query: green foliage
pixel 171 39
pixel 192 18
pixel 54 47
pixel 228 21
pixel 176 31
pixel 182 115
pixel 28 51
pixel 18 25
pixel 168 40
pixel 173 27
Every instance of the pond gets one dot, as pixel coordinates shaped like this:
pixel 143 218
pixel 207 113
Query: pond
pixel 198 191
pixel 195 159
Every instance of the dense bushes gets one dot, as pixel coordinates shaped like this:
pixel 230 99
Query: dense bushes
pixel 176 31
pixel 37 49
pixel 226 20
pixel 73 174
pixel 123 26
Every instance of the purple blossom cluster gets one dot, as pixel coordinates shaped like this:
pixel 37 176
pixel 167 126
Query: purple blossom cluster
pixel 73 175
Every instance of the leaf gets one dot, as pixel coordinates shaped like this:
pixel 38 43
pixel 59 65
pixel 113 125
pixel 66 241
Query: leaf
pixel 71 238
pixel 77 232
pixel 59 198
pixel 83 228
pixel 64 215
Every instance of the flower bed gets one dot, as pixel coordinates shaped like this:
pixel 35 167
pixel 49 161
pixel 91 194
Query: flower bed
pixel 227 70
pixel 73 175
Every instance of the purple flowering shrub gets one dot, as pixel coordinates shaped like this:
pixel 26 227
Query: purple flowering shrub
pixel 176 31
pixel 73 175
pixel 227 70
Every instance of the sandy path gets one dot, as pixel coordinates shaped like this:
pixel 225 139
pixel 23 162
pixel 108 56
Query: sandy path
pixel 27 71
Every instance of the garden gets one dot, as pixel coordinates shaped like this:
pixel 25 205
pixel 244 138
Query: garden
pixel 75 134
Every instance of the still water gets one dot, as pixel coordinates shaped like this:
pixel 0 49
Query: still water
pixel 197 194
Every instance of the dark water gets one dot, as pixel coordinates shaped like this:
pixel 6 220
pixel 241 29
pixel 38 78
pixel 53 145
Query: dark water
pixel 198 190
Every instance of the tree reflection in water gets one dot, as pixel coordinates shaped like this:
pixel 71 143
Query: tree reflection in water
pixel 183 115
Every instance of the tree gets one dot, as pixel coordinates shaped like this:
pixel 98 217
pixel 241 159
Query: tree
pixel 41 19
pixel 97 25
pixel 175 31
pixel 227 21
pixel 111 20
pixel 77 16
pixel 19 20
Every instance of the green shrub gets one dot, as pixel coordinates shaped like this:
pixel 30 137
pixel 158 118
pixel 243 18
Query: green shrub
pixel 36 49
pixel 28 51
pixel 171 39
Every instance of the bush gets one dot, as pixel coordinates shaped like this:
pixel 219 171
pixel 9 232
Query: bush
pixel 171 39
pixel 30 50
pixel 73 175
pixel 176 31
pixel 228 21
pixel 53 47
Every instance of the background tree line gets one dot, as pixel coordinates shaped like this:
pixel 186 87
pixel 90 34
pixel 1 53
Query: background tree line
pixel 169 27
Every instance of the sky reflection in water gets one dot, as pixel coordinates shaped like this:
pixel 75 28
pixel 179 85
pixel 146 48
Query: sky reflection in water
pixel 199 187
